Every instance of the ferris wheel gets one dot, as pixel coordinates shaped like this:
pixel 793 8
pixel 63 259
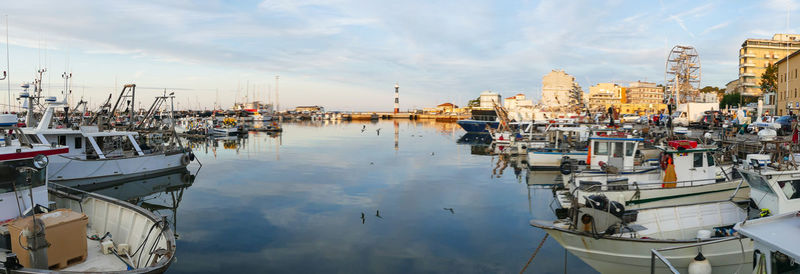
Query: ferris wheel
pixel 682 75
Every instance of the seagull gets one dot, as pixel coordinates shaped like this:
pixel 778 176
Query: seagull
pixel 450 209
pixel 379 131
pixel 362 218
pixel 371 163
pixel 364 128
pixel 432 153
pixel 378 214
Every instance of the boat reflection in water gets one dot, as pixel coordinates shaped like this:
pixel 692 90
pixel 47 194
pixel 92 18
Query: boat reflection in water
pixel 159 194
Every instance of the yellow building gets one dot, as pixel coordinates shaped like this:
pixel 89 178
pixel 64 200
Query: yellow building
pixel 756 54
pixel 788 84
pixel 644 93
pixel 605 94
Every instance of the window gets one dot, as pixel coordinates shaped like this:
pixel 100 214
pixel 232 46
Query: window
pixel 710 158
pixel 698 159
pixel 629 149
pixel 62 140
pixel 78 143
pixel 600 148
pixel 790 188
pixel 34 139
pixel 618 147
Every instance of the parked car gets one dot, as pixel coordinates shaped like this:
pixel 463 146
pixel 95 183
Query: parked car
pixel 644 119
pixel 629 118
pixel 786 124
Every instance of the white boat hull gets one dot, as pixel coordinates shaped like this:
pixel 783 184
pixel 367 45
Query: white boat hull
pixel 551 160
pixel 73 171
pixel 622 255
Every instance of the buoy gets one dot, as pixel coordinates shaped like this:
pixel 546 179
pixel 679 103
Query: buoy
pixel 700 265
pixel 703 234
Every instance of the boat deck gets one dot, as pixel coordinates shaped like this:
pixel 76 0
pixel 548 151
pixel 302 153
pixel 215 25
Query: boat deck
pixel 96 261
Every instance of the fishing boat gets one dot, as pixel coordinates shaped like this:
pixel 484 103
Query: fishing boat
pixel 684 173
pixel 227 127
pixel 612 240
pixel 69 231
pixel 97 156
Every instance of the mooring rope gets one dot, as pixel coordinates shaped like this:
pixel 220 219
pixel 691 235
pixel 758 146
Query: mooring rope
pixel 534 253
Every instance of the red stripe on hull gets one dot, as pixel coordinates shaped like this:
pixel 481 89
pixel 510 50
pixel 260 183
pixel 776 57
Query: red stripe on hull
pixel 31 154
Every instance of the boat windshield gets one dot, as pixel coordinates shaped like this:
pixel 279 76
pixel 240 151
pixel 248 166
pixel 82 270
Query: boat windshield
pixel 11 177
pixel 757 182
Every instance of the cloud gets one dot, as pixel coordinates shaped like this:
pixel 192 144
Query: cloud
pixel 355 49
pixel 716 27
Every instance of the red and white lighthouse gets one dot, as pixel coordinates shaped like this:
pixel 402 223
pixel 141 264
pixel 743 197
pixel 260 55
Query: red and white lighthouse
pixel 396 98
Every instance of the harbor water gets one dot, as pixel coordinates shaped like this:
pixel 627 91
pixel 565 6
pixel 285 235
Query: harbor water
pixel 293 202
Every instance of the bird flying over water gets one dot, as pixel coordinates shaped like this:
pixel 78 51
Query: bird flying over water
pixel 450 209
pixel 378 214
pixel 363 128
pixel 379 131
pixel 362 218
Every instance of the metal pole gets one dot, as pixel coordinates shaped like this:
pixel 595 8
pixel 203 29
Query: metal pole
pixel 8 67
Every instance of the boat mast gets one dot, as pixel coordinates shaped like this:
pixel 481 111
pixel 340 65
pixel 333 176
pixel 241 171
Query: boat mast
pixel 8 67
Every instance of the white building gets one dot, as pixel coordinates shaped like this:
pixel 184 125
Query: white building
pixel 555 88
pixel 518 107
pixel 489 99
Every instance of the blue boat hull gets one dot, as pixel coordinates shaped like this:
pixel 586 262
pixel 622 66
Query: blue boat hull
pixel 476 126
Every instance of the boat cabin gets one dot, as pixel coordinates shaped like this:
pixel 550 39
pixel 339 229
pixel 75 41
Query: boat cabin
pixel 616 149
pixel 23 181
pixel 692 165
pixel 775 249
pixel 775 191
pixel 87 142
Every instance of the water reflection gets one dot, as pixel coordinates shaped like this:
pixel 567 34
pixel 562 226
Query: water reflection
pixel 160 194
pixel 294 203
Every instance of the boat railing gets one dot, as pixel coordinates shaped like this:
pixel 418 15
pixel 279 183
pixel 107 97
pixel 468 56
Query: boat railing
pixel 636 168
pixel 624 184
pixel 656 252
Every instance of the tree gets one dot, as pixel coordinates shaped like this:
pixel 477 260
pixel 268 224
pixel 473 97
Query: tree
pixel 709 89
pixel 474 102
pixel 731 99
pixel 769 80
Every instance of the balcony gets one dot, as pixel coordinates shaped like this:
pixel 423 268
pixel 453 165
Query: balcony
pixel 750 84
pixel 747 65
pixel 747 55
pixel 748 74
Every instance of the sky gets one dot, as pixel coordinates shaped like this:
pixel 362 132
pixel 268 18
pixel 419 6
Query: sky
pixel 348 55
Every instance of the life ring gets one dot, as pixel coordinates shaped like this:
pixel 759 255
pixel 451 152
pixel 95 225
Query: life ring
pixel 185 160
pixel 565 167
